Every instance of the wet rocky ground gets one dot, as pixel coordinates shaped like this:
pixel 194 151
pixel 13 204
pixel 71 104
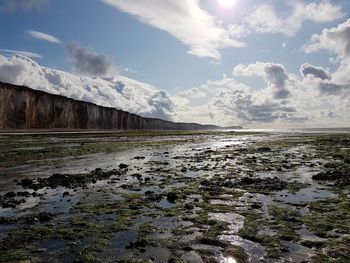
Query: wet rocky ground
pixel 175 197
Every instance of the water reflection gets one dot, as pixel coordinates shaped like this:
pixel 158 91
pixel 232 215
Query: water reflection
pixel 228 260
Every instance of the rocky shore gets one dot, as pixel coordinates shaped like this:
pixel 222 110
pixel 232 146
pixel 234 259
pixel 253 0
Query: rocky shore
pixel 180 197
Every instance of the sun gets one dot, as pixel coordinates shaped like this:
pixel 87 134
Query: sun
pixel 227 3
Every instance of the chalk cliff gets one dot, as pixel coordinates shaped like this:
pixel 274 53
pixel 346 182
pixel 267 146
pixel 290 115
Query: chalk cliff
pixel 25 108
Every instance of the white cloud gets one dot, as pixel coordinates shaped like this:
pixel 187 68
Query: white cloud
pixel 312 101
pixel 236 103
pixel 239 30
pixel 323 11
pixel 118 92
pixel 193 93
pixel 183 19
pixel 163 106
pixel 21 53
pixel 255 69
pixel 265 18
pixel 44 36
pixel 335 40
pixel 21 5
pixel 275 76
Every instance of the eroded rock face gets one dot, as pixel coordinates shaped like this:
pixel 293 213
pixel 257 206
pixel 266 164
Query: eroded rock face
pixel 25 108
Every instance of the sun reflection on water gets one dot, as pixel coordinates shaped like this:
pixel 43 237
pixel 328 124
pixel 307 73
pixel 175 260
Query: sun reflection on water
pixel 229 260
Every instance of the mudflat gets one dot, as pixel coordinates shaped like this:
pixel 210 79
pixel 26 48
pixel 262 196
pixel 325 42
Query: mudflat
pixel 190 196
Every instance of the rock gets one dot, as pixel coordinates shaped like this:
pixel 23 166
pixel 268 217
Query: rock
pixel 65 194
pixel 213 242
pixel 261 184
pixel 7 220
pixel 10 195
pixel 328 176
pixel 35 194
pixel 72 181
pixel 123 166
pixel 138 176
pixel 172 197
pixel 8 205
pixel 205 182
pixel 24 194
pixel 26 182
pixel 339 177
pixel 189 206
pixel 139 157
pixel 256 206
pixel 264 149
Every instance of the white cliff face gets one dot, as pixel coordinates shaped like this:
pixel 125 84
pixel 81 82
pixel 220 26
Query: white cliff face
pixel 25 108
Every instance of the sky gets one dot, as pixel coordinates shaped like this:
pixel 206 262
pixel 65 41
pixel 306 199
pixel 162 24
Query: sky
pixel 259 64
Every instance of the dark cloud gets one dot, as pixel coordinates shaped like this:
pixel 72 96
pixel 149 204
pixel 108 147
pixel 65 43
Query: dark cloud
pixel 22 5
pixel 265 112
pixel 86 62
pixel 318 72
pixel 333 89
pixel 277 77
pixel 247 108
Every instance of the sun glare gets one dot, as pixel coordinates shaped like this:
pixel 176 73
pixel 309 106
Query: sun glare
pixel 227 3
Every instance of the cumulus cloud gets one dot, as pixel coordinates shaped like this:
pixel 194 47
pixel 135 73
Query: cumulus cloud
pixel 193 93
pixel 44 36
pixel 185 20
pixel 241 101
pixel 21 5
pixel 119 92
pixel 163 106
pixel 275 76
pixel 312 102
pixel 317 72
pixel 21 53
pixel 335 40
pixel 87 62
pixel 234 103
pixel 265 18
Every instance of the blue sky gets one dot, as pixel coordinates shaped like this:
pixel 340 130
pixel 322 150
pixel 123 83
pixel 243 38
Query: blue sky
pixel 155 46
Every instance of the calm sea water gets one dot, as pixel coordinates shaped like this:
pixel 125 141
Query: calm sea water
pixel 311 130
